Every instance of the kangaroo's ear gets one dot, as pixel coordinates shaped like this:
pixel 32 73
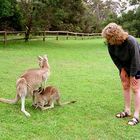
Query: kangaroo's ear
pixel 46 57
pixel 40 58
pixel 40 90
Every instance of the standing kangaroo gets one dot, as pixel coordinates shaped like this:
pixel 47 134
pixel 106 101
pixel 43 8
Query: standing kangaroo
pixel 31 80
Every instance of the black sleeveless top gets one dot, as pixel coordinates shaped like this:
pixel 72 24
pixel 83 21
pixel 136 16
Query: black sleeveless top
pixel 126 55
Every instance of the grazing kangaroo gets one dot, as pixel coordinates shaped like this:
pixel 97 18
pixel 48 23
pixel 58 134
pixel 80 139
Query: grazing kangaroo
pixel 45 98
pixel 31 80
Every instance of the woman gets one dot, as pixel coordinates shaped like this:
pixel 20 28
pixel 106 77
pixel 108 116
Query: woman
pixel 125 53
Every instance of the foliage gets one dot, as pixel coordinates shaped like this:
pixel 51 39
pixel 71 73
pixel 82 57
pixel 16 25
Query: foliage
pixel 130 21
pixel 133 2
pixel 78 16
pixel 9 15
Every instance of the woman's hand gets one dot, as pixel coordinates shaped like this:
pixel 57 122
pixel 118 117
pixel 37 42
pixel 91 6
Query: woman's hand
pixel 123 74
pixel 134 81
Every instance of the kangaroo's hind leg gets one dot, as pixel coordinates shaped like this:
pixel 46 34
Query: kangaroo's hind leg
pixel 22 92
pixel 58 102
pixel 23 106
pixel 48 107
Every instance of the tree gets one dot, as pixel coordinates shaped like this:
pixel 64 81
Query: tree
pixel 66 15
pixel 102 12
pixel 9 15
pixel 32 12
pixel 130 21
pixel 134 2
pixel 51 15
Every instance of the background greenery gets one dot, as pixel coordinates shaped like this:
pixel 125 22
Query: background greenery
pixel 69 15
pixel 83 71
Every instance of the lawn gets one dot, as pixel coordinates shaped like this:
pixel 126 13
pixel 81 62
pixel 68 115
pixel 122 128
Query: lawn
pixel 83 71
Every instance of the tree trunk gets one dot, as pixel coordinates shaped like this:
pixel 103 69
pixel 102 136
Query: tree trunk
pixel 28 29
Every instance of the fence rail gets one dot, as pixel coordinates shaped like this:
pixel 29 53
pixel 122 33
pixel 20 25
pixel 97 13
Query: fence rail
pixel 6 36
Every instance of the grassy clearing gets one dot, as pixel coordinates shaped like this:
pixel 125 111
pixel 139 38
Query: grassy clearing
pixel 83 71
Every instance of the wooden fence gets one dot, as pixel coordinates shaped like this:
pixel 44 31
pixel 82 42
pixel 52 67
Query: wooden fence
pixel 20 35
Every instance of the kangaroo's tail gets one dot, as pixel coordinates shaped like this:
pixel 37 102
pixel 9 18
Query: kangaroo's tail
pixel 21 87
pixel 65 103
pixel 10 101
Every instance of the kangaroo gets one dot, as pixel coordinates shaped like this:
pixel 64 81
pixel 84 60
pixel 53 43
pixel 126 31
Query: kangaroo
pixel 45 98
pixel 29 81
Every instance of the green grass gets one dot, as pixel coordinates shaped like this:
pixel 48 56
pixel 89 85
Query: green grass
pixel 83 71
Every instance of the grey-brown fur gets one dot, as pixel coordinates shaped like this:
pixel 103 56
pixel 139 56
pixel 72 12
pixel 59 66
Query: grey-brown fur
pixel 45 98
pixel 31 80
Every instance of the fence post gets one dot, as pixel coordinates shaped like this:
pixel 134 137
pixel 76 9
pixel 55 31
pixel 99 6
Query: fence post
pixel 57 36
pixel 44 36
pixel 5 37
pixel 82 36
pixel 67 36
pixel 75 36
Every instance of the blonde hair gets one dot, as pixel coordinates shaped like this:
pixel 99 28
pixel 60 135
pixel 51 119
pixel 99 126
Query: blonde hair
pixel 114 34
